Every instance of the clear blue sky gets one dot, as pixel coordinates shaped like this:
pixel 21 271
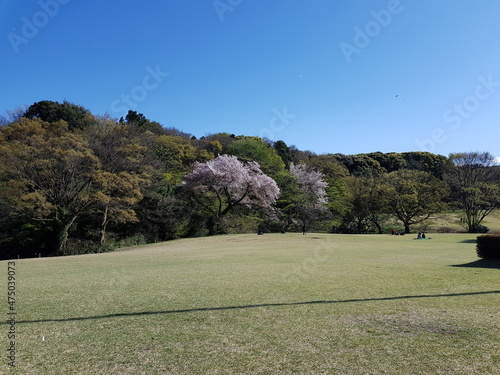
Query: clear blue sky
pixel 324 75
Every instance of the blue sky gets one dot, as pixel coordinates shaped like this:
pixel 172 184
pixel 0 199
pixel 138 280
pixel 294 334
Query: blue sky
pixel 323 75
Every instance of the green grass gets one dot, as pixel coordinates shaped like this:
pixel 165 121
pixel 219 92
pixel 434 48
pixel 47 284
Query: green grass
pixel 272 304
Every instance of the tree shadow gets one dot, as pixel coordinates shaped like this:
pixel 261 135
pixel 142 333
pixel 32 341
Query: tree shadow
pixel 469 241
pixel 242 307
pixel 481 263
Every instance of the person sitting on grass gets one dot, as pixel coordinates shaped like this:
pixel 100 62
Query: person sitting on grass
pixel 422 236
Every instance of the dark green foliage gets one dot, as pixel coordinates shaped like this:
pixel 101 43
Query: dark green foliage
pixel 488 246
pixel 376 163
pixel 390 162
pixel 77 117
pixel 270 226
pixel 480 229
pixel 138 118
pixel 284 152
pixel 426 162
pixel 25 239
pixel 142 124
pixel 163 213
pixel 361 165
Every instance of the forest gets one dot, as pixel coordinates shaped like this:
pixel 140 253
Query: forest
pixel 72 182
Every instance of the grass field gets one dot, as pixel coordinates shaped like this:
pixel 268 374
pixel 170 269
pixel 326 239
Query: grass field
pixel 272 304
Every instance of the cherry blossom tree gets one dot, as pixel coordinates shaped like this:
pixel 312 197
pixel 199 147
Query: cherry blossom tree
pixel 224 183
pixel 311 203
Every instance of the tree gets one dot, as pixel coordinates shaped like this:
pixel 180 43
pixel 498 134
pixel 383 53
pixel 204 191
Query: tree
pixel 311 203
pixel 390 162
pixel 354 208
pixel 329 166
pixel 12 115
pixel 165 211
pixel 367 201
pixel 75 116
pixel 118 193
pixel 427 162
pixel 415 195
pixel 141 124
pixel 377 202
pixel 48 173
pixel 474 181
pixel 360 164
pixel 224 183
pixel 224 139
pixel 178 153
pixel 123 173
pixel 290 195
pixel 255 149
pixel 284 152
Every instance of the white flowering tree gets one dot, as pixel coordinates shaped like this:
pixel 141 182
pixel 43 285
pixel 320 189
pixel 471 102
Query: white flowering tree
pixel 311 205
pixel 224 183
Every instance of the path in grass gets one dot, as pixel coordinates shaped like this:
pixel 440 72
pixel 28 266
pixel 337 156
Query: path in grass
pixel 272 304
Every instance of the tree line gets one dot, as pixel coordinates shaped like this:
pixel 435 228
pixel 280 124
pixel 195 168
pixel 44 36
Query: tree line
pixel 72 182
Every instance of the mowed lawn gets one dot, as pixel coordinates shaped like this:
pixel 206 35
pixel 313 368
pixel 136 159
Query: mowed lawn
pixel 271 304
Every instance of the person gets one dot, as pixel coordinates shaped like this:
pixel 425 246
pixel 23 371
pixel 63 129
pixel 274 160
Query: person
pixel 419 236
pixel 393 232
pixel 423 235
pixel 304 231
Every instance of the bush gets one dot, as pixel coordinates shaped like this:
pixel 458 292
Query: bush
pixel 76 246
pixel 270 226
pixel 446 230
pixel 488 246
pixel 480 229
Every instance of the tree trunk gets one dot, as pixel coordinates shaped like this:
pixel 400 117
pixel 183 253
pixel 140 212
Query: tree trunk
pixel 407 227
pixel 62 229
pixel 104 225
pixel 214 226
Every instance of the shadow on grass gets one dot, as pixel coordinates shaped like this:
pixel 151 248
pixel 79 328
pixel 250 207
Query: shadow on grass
pixel 469 241
pixel 481 263
pixel 241 307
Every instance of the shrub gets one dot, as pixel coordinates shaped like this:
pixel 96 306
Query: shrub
pixel 480 229
pixel 488 246
pixel 269 226
pixel 446 230
pixel 76 246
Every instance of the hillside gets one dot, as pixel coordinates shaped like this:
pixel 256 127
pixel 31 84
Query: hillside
pixel 73 182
